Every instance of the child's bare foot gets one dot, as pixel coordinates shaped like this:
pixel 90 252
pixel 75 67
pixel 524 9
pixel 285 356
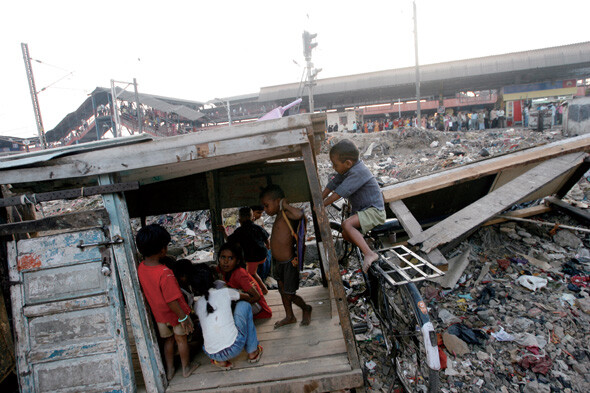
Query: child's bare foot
pixel 170 373
pixel 286 321
pixel 368 261
pixel 188 370
pixel 264 289
pixel 306 315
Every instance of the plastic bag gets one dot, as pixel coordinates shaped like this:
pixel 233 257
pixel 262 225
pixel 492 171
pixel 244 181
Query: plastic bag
pixel 532 282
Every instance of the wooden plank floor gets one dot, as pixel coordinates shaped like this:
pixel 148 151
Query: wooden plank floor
pixel 296 358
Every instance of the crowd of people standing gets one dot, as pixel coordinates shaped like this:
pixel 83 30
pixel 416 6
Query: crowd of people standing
pixel 473 120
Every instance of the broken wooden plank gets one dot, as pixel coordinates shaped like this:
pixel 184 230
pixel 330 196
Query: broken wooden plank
pixel 78 220
pixel 495 202
pixel 569 209
pixel 521 213
pixel 457 266
pixel 413 228
pixel 33 199
pixel 446 178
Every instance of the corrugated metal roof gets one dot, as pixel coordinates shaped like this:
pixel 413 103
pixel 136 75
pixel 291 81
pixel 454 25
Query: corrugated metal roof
pixel 574 54
pixel 156 103
pixel 19 160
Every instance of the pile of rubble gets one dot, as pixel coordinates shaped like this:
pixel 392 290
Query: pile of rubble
pixel 394 156
pixel 516 316
pixel 516 320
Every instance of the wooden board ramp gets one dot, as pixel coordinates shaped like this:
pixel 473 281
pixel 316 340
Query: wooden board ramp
pixel 296 358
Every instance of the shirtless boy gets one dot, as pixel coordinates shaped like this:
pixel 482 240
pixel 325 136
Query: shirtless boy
pixel 284 256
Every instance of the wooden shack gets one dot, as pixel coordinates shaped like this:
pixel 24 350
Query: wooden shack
pixel 70 314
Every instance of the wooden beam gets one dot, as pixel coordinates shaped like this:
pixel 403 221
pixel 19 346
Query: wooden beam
pixel 569 209
pixel 84 219
pixel 485 167
pixel 215 209
pixel 166 151
pixel 495 202
pixel 33 199
pixel 156 174
pixel 526 212
pixel 413 228
pixel 125 263
pixel 335 280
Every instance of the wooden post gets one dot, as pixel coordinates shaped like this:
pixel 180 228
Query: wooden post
pixel 215 209
pixel 333 270
pixel 126 265
pixel 320 245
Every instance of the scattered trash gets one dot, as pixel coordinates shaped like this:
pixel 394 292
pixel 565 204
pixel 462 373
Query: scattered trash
pixel 487 294
pixel 502 335
pixel 447 317
pixel 470 336
pixel 567 298
pixel 532 282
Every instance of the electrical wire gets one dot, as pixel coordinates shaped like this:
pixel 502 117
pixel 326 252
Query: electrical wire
pixel 49 65
pixel 51 84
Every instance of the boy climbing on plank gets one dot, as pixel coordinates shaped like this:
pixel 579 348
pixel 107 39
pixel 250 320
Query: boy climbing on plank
pixel 284 254
pixel 354 181
pixel 163 294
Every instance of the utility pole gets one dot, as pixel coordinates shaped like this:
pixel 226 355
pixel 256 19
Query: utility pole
pixel 115 115
pixel 34 98
pixel 137 108
pixel 227 106
pixel 308 45
pixel 419 116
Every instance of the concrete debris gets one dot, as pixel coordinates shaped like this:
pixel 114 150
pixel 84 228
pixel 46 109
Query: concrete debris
pixel 455 345
pixel 566 238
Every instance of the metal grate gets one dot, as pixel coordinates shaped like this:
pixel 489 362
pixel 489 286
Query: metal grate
pixel 402 266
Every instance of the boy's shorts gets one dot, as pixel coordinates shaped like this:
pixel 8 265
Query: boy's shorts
pixel 167 330
pixel 288 275
pixel 370 218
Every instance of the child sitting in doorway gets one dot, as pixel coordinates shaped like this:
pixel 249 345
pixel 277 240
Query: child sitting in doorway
pixel 253 240
pixel 354 181
pixel 232 269
pixel 225 335
pixel 163 294
pixel 284 254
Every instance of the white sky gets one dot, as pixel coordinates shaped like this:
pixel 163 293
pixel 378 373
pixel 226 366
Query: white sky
pixel 200 50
